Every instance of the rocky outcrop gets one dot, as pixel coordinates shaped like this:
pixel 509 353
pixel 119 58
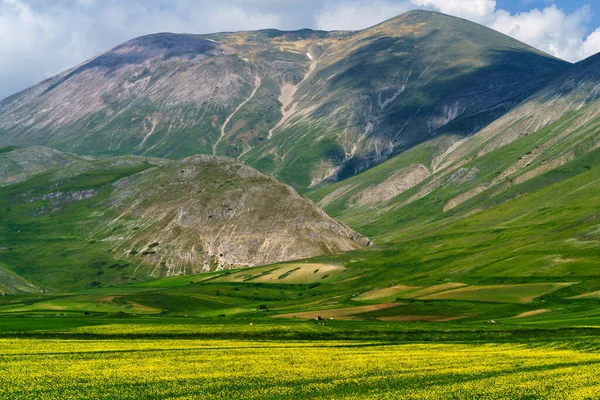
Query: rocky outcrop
pixel 206 212
pixel 121 219
pixel 399 182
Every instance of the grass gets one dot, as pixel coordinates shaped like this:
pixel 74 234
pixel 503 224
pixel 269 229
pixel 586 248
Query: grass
pixel 45 241
pixel 385 293
pixel 524 293
pixel 494 298
pixel 432 290
pixel 285 273
pixel 339 313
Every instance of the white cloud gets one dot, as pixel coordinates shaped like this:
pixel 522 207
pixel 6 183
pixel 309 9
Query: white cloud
pixel 481 11
pixel 550 30
pixel 354 15
pixel 38 40
pixel 591 45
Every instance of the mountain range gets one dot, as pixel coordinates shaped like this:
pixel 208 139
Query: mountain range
pixel 305 107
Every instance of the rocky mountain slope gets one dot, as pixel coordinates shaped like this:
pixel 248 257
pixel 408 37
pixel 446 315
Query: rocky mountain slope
pixel 93 221
pixel 553 136
pixel 304 106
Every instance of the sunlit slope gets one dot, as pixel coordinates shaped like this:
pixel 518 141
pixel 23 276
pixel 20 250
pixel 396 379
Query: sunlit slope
pixel 551 233
pixel 382 90
pixel 530 260
pixel 167 95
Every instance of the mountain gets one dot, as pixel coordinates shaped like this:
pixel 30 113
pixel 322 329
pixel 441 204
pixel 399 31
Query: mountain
pixel 304 106
pixel 387 88
pixel 84 221
pixel 529 175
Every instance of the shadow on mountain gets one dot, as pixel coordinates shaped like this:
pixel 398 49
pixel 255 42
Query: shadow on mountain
pixel 477 98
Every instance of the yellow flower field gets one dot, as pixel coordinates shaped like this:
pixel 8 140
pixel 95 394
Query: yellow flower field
pixel 232 369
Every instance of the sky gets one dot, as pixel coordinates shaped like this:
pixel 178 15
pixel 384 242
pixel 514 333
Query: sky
pixel 39 38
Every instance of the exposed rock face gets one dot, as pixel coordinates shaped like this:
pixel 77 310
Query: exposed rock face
pixel 398 183
pixel 304 106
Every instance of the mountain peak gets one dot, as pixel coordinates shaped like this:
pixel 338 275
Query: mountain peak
pixel 175 42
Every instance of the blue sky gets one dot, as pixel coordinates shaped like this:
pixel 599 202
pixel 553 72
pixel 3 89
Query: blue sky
pixel 526 5
pixel 39 38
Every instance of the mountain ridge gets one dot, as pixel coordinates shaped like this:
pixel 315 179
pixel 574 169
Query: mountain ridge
pixel 267 96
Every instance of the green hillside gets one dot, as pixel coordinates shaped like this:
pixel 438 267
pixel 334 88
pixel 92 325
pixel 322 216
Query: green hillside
pixel 385 89
pixel 494 226
pixel 407 211
pixel 85 222
pixel 536 254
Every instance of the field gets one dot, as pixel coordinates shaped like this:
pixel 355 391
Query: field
pixel 69 358
pixel 286 273
pixel 524 293
pixel 385 293
pixel 339 313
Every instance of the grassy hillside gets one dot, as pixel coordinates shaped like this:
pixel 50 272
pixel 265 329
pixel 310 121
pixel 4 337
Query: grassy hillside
pixel 528 251
pixel 534 257
pixel 499 302
pixel 89 222
pixel 524 250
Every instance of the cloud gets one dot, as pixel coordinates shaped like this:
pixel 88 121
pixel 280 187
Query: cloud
pixel 40 39
pixel 354 15
pixel 591 45
pixel 550 30
pixel 480 11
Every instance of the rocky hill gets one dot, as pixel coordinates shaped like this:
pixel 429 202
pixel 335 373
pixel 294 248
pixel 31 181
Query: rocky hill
pixel 86 221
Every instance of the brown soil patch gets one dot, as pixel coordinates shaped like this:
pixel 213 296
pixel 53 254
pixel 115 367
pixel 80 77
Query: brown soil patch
pixel 588 295
pixel 381 293
pixel 143 308
pixel 287 273
pixel 106 299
